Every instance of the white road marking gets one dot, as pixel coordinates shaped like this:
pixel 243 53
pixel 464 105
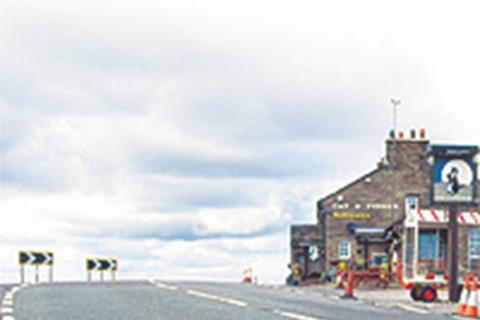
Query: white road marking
pixel 165 286
pixel 295 316
pixel 217 298
pixel 14 290
pixel 6 310
pixel 413 309
pixel 7 302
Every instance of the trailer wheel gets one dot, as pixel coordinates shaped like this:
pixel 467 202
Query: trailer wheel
pixel 428 294
pixel 415 293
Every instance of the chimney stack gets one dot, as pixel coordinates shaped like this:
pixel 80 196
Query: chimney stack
pixel 413 134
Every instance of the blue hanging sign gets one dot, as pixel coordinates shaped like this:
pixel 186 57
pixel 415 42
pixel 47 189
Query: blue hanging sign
pixel 454 174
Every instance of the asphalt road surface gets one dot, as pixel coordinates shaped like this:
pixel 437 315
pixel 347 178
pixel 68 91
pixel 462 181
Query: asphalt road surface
pixel 187 301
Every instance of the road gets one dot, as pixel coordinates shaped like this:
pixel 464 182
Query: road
pixel 187 301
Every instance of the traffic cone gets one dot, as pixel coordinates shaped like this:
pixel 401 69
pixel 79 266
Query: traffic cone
pixel 247 275
pixel 348 293
pixel 472 310
pixel 462 304
pixel 339 281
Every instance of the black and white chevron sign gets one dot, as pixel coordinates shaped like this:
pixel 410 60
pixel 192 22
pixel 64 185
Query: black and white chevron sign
pixel 35 258
pixel 102 264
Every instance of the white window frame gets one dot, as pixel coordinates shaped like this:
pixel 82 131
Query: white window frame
pixel 344 245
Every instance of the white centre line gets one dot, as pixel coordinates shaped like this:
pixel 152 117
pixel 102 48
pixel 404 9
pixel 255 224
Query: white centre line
pixel 217 298
pixel 295 316
pixel 165 286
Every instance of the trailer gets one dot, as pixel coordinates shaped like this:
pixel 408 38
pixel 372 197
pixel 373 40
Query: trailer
pixel 424 267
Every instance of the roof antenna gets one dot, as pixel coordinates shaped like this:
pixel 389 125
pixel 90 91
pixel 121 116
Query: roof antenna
pixel 395 103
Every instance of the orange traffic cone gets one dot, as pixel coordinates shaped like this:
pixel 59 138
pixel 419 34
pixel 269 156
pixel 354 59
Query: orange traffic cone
pixel 348 293
pixel 472 309
pixel 462 305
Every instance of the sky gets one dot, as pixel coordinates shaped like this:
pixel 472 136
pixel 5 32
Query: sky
pixel 185 137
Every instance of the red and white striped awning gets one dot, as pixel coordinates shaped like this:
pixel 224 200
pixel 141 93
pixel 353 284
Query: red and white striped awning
pixel 442 216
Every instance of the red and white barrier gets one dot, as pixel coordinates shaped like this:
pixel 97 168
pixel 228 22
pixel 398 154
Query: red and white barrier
pixel 442 216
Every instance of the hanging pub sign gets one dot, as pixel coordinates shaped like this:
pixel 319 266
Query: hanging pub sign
pixel 454 174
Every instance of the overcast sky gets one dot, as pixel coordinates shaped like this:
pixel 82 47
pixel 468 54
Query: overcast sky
pixel 184 137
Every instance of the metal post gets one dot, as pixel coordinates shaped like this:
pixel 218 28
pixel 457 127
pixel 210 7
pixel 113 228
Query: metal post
pixel 50 274
pixel 113 275
pixel 89 276
pixel 22 274
pixel 365 253
pixel 452 253
pixel 101 276
pixel 37 274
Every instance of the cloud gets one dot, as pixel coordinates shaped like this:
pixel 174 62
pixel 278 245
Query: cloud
pixel 201 131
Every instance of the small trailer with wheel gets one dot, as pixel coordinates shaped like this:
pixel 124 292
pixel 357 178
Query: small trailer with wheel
pixel 424 269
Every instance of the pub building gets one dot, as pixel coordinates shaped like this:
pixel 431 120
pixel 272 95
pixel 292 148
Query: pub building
pixel 397 212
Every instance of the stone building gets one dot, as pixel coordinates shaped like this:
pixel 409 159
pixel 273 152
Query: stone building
pixel 364 222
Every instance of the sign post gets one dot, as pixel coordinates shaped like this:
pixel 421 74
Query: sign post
pixel 454 184
pixel 102 265
pixel 452 254
pixel 36 259
pixel 22 274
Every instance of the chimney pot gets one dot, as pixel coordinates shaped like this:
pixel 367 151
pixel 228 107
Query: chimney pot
pixel 413 134
pixel 422 133
pixel 400 135
pixel 381 162
pixel 392 134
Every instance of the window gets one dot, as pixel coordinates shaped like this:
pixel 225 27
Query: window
pixel 379 259
pixel 474 244
pixel 344 249
pixel 313 254
pixel 427 245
